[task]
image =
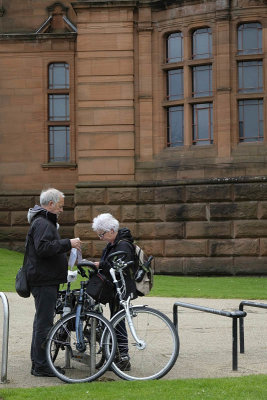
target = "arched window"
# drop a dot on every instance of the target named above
(58, 112)
(174, 47)
(202, 43)
(249, 38)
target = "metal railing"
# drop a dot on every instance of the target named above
(231, 314)
(5, 338)
(241, 321)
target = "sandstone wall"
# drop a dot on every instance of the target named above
(208, 227)
(13, 218)
(216, 226)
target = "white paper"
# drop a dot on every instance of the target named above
(75, 257)
(72, 276)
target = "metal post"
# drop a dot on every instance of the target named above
(234, 344)
(241, 322)
(5, 338)
(241, 331)
(93, 346)
(231, 314)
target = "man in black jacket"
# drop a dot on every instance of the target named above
(47, 267)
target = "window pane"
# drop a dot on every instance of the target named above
(176, 126)
(250, 76)
(59, 143)
(175, 47)
(175, 84)
(202, 124)
(58, 76)
(249, 38)
(202, 81)
(59, 107)
(202, 43)
(250, 120)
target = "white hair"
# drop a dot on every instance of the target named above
(51, 194)
(105, 222)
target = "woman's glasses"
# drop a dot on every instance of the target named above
(101, 235)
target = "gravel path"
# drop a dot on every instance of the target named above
(205, 341)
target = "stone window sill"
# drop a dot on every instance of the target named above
(59, 165)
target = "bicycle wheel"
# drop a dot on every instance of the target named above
(77, 366)
(159, 350)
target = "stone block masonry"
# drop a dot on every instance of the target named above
(192, 227)
(13, 218)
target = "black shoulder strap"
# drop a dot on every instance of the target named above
(27, 239)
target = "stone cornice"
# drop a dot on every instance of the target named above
(182, 182)
(128, 3)
(38, 36)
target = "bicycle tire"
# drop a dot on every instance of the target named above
(161, 344)
(86, 366)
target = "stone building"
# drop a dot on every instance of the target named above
(151, 110)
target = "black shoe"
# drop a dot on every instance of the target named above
(123, 363)
(45, 371)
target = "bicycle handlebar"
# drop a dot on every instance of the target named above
(92, 268)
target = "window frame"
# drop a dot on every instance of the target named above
(210, 138)
(251, 139)
(210, 44)
(247, 94)
(60, 123)
(241, 51)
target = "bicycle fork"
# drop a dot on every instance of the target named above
(140, 344)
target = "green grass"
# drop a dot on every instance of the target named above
(244, 388)
(164, 286)
(239, 388)
(211, 287)
(10, 262)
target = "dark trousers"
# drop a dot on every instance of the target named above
(45, 302)
(121, 332)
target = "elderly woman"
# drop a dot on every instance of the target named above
(107, 229)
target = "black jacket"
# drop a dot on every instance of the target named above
(123, 242)
(47, 262)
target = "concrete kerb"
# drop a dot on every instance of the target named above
(205, 341)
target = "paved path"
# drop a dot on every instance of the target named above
(205, 341)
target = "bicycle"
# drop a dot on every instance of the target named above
(82, 344)
(146, 329)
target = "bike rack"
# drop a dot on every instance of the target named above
(231, 314)
(5, 338)
(241, 322)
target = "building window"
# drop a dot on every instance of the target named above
(58, 112)
(202, 124)
(250, 76)
(174, 47)
(59, 143)
(199, 85)
(59, 107)
(59, 76)
(249, 38)
(202, 81)
(175, 82)
(175, 126)
(202, 43)
(250, 120)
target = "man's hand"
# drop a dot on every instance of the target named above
(76, 243)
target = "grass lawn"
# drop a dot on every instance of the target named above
(240, 388)
(244, 388)
(164, 286)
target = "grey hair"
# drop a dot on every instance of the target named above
(105, 222)
(51, 194)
